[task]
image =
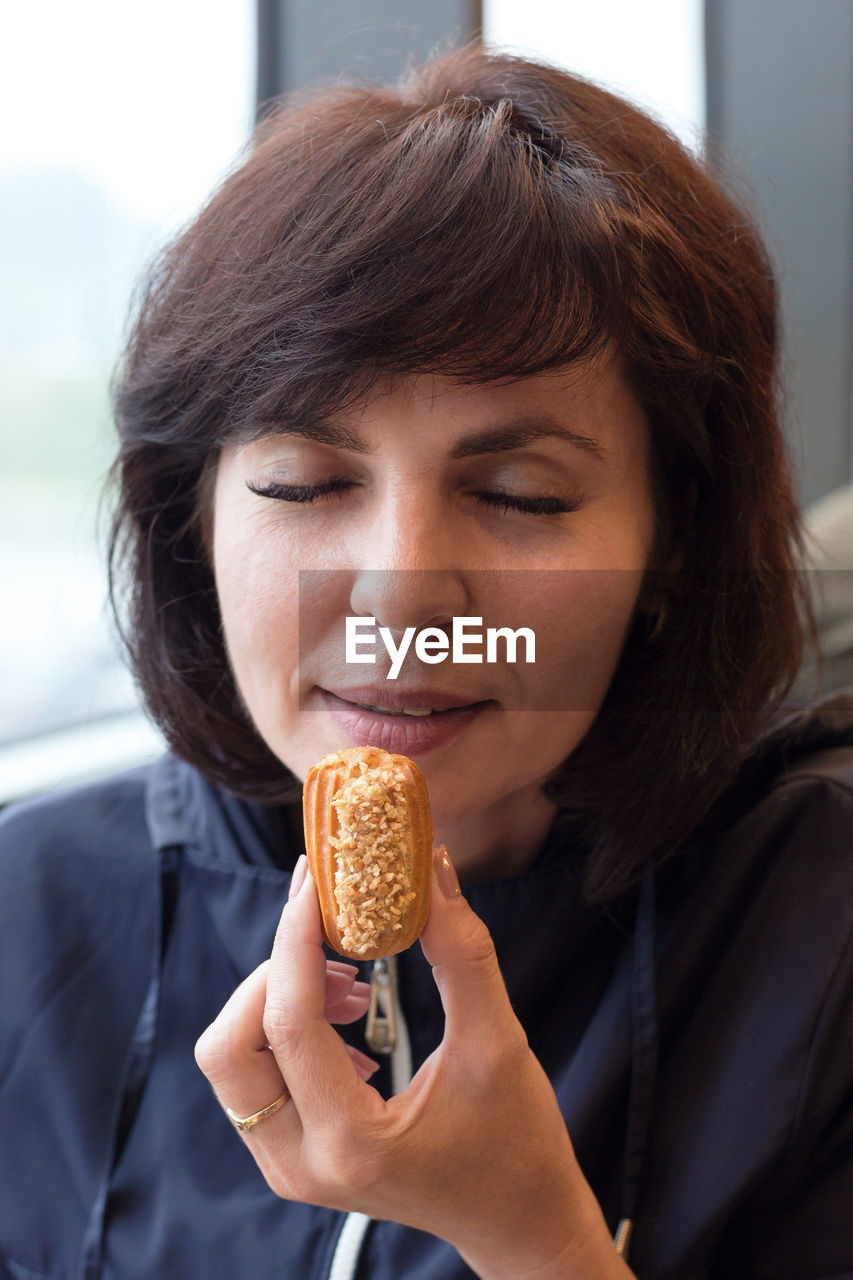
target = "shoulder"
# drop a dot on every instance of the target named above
(760, 909)
(807, 810)
(793, 981)
(778, 851)
(103, 800)
(794, 793)
(784, 867)
(80, 825)
(79, 931)
(77, 873)
(755, 990)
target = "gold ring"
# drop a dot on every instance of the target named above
(245, 1123)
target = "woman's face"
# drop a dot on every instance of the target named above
(521, 504)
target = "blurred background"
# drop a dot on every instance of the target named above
(121, 118)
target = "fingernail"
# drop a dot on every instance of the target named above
(448, 881)
(364, 1066)
(298, 877)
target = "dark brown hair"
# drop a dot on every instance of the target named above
(489, 218)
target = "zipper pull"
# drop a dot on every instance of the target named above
(381, 1030)
(623, 1238)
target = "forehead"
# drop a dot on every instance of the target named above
(589, 407)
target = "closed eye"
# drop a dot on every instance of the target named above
(495, 499)
(301, 492)
(532, 506)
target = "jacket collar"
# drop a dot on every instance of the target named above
(184, 809)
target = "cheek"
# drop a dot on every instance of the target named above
(582, 618)
(257, 591)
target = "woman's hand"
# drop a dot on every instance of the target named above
(474, 1151)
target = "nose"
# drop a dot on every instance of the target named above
(411, 575)
(400, 598)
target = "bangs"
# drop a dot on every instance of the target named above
(461, 240)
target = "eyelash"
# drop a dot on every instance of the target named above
(300, 492)
(544, 506)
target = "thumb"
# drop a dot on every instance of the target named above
(459, 947)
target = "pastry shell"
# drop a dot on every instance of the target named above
(368, 836)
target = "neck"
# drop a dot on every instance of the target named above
(502, 842)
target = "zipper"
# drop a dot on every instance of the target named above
(386, 1033)
(381, 1030)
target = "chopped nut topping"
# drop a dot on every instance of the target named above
(372, 884)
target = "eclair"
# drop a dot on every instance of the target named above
(368, 836)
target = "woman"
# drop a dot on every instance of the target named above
(490, 346)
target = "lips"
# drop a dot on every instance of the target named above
(409, 722)
(401, 698)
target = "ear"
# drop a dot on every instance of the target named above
(658, 589)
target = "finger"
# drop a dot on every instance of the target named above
(311, 1055)
(364, 1066)
(346, 999)
(233, 1052)
(339, 981)
(298, 948)
(340, 974)
(351, 1008)
(459, 947)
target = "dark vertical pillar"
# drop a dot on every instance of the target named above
(301, 41)
(780, 103)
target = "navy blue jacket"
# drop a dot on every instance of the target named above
(703, 1056)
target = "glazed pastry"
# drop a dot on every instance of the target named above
(368, 835)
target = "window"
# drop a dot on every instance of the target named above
(651, 52)
(120, 119)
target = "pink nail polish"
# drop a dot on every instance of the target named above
(298, 877)
(445, 873)
(364, 1066)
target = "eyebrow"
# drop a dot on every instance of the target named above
(515, 435)
(329, 433)
(498, 439)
